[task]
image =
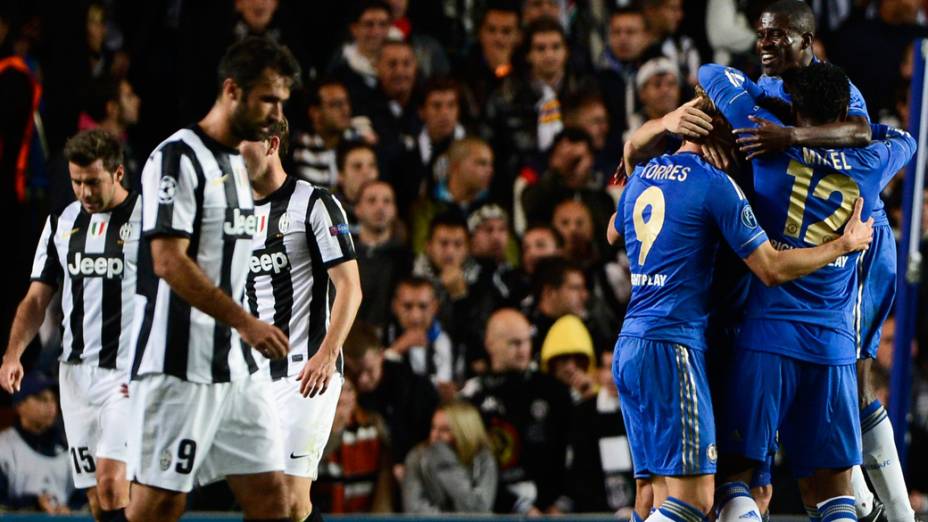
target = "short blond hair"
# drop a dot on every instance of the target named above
(463, 147)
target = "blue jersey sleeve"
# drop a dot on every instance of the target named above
(897, 147)
(730, 210)
(857, 105)
(734, 94)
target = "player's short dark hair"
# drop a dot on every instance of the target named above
(573, 135)
(439, 84)
(100, 91)
(447, 219)
(362, 338)
(504, 6)
(88, 146)
(415, 282)
(245, 61)
(633, 9)
(281, 129)
(558, 238)
(345, 148)
(551, 272)
(820, 91)
(545, 24)
(800, 15)
(367, 5)
(314, 99)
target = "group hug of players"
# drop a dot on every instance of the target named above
(785, 351)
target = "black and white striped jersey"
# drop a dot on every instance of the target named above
(196, 188)
(301, 232)
(312, 161)
(92, 257)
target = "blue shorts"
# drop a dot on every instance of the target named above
(813, 406)
(878, 277)
(666, 407)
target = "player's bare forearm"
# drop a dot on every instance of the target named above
(347, 283)
(186, 279)
(855, 132)
(612, 235)
(795, 263)
(29, 316)
(644, 143)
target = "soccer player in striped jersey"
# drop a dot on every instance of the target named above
(673, 214)
(198, 415)
(88, 250)
(301, 248)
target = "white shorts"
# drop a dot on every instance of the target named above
(186, 433)
(305, 424)
(94, 412)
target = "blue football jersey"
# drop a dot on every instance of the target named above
(672, 214)
(803, 197)
(857, 106)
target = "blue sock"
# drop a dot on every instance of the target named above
(680, 511)
(635, 517)
(814, 515)
(838, 508)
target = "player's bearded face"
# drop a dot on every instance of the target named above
(260, 107)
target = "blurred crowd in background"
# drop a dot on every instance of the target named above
(473, 145)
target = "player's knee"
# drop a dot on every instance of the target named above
(267, 498)
(156, 508)
(300, 508)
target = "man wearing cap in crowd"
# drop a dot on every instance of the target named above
(34, 461)
(658, 86)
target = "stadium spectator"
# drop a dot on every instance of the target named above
(600, 473)
(559, 289)
(383, 256)
(35, 469)
(430, 55)
(527, 413)
(619, 63)
(567, 355)
(538, 242)
(357, 165)
(405, 400)
(440, 113)
(663, 19)
(658, 84)
(355, 474)
(489, 61)
(588, 112)
(313, 154)
(470, 172)
(730, 31)
(569, 176)
(454, 471)
(255, 17)
(447, 263)
(416, 338)
(355, 64)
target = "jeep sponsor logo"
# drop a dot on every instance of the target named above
(240, 224)
(269, 262)
(95, 265)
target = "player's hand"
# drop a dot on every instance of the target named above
(317, 372)
(11, 375)
(857, 234)
(767, 137)
(688, 121)
(718, 154)
(264, 337)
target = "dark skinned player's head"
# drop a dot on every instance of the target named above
(820, 93)
(785, 32)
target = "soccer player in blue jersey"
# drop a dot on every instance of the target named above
(673, 215)
(784, 41)
(794, 367)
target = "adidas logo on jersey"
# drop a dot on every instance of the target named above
(95, 266)
(240, 224)
(268, 262)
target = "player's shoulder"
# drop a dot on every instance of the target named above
(68, 212)
(182, 138)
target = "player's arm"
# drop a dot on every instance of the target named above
(347, 282)
(47, 275)
(895, 148)
(29, 316)
(612, 231)
(171, 263)
(774, 267)
(327, 229)
(769, 137)
(649, 140)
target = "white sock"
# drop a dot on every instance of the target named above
(862, 495)
(657, 516)
(881, 462)
(736, 504)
